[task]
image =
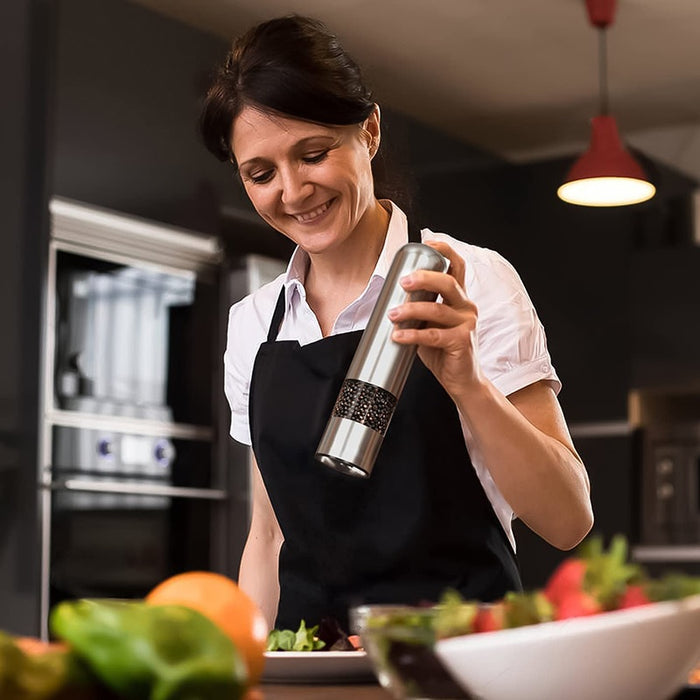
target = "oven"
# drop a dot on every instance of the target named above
(671, 485)
(670, 498)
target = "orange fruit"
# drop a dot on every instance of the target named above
(222, 601)
(254, 694)
(33, 646)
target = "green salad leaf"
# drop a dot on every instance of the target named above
(304, 639)
(673, 585)
(454, 616)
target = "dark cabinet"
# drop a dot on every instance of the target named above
(664, 311)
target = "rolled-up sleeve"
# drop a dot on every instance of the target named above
(511, 341)
(237, 372)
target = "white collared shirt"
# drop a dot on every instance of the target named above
(511, 343)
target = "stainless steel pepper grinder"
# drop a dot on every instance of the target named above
(378, 372)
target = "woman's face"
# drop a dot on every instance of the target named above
(311, 182)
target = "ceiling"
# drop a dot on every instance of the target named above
(517, 78)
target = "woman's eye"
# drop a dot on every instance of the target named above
(315, 157)
(259, 178)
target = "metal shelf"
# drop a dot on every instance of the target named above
(87, 485)
(666, 553)
(602, 429)
(124, 424)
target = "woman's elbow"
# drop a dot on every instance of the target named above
(575, 531)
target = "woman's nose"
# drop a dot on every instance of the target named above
(295, 188)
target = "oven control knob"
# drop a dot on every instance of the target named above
(665, 491)
(164, 452)
(664, 466)
(105, 448)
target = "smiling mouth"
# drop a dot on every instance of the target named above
(308, 216)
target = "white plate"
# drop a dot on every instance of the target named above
(644, 653)
(316, 667)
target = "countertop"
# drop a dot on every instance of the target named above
(370, 691)
(353, 691)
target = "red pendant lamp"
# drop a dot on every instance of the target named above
(606, 175)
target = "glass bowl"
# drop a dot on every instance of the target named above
(399, 641)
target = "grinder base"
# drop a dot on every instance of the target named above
(349, 447)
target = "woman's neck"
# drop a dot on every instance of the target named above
(335, 278)
(352, 263)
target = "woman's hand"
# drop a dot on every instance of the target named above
(537, 468)
(447, 342)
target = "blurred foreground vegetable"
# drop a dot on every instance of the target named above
(597, 579)
(54, 673)
(592, 581)
(145, 652)
(221, 600)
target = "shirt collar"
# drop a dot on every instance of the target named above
(396, 236)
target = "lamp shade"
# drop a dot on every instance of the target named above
(606, 175)
(601, 13)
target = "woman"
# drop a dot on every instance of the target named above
(478, 436)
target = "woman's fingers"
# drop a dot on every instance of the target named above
(457, 268)
(445, 338)
(433, 325)
(454, 334)
(445, 285)
(428, 312)
(447, 325)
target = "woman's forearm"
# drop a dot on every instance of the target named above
(258, 573)
(524, 442)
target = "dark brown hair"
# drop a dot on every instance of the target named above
(294, 66)
(291, 65)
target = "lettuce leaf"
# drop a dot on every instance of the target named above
(304, 639)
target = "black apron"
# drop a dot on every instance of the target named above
(420, 524)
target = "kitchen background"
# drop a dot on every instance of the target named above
(99, 106)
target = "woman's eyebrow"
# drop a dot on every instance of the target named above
(317, 137)
(253, 161)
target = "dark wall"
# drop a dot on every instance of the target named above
(665, 310)
(128, 89)
(576, 263)
(129, 84)
(24, 47)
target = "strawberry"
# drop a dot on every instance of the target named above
(633, 596)
(567, 577)
(576, 604)
(490, 618)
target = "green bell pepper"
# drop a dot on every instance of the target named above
(152, 652)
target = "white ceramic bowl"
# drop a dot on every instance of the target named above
(645, 653)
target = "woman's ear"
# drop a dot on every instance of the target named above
(372, 126)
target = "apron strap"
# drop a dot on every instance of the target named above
(278, 315)
(414, 234)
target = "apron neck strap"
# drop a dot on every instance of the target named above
(277, 316)
(414, 233)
